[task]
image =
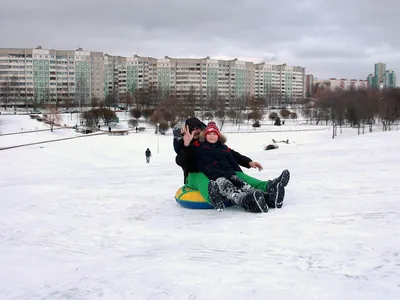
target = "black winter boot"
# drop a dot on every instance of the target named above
(254, 202)
(216, 199)
(276, 190)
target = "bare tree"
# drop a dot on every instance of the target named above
(111, 100)
(5, 93)
(154, 96)
(191, 99)
(208, 115)
(221, 111)
(135, 113)
(212, 100)
(93, 116)
(255, 115)
(128, 101)
(53, 116)
(133, 122)
(139, 98)
(371, 107)
(338, 111)
(232, 114)
(94, 102)
(81, 91)
(88, 117)
(284, 113)
(239, 104)
(388, 109)
(107, 115)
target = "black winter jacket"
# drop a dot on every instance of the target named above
(214, 160)
(187, 160)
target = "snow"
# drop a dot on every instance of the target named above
(89, 219)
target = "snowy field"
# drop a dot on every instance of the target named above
(89, 219)
(24, 125)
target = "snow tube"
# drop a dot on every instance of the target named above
(191, 198)
(271, 147)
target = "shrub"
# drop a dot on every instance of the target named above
(284, 113)
(272, 116)
(133, 122)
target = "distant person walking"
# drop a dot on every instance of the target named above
(148, 155)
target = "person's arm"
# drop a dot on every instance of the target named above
(178, 138)
(242, 160)
(178, 145)
(185, 155)
(245, 161)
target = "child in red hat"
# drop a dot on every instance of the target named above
(214, 159)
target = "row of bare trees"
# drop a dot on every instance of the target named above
(167, 109)
(92, 117)
(356, 108)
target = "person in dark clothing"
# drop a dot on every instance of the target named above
(273, 192)
(196, 126)
(214, 159)
(148, 155)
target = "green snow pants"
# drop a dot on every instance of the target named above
(199, 181)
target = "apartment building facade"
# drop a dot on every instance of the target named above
(309, 85)
(37, 75)
(334, 84)
(381, 78)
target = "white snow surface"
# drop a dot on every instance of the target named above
(89, 219)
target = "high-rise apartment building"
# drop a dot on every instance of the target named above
(37, 75)
(382, 78)
(389, 79)
(380, 69)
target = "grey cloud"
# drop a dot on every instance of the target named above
(323, 36)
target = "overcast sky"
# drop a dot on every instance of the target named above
(330, 38)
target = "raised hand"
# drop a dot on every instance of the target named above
(187, 136)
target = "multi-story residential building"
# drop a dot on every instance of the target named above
(334, 84)
(309, 85)
(382, 78)
(279, 83)
(389, 79)
(41, 75)
(37, 75)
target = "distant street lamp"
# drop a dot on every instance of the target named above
(158, 137)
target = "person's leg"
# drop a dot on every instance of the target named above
(242, 194)
(274, 189)
(200, 182)
(255, 201)
(229, 191)
(254, 182)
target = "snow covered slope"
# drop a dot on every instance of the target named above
(88, 219)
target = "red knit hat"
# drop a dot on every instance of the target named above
(212, 127)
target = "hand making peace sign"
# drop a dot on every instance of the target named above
(187, 136)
